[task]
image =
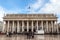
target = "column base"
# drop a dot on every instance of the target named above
(18, 32)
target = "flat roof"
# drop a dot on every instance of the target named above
(30, 16)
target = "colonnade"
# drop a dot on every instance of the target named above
(7, 27)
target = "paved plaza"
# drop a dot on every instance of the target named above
(36, 37)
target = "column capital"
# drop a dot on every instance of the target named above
(4, 22)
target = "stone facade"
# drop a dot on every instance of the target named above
(1, 25)
(29, 22)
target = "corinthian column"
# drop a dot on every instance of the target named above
(22, 26)
(27, 26)
(42, 24)
(4, 27)
(18, 28)
(47, 25)
(37, 25)
(57, 27)
(13, 29)
(8, 27)
(32, 26)
(52, 26)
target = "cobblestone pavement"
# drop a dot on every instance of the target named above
(36, 37)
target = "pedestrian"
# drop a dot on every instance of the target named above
(7, 33)
(32, 34)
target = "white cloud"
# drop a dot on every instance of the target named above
(5, 11)
(51, 7)
(37, 4)
(55, 1)
(34, 6)
(2, 11)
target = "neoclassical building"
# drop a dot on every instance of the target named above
(29, 22)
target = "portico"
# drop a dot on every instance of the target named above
(20, 23)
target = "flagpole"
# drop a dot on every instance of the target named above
(28, 9)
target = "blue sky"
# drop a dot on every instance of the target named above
(13, 4)
(20, 5)
(36, 6)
